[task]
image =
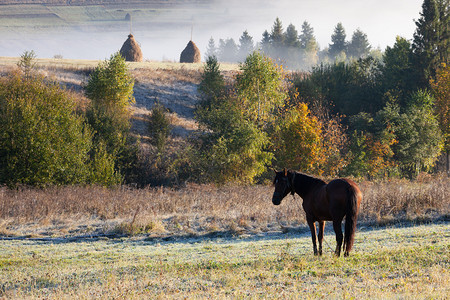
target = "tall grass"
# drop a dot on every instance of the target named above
(202, 209)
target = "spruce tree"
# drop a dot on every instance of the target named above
(228, 50)
(359, 45)
(246, 45)
(277, 35)
(291, 37)
(211, 50)
(307, 36)
(338, 44)
(431, 39)
(265, 42)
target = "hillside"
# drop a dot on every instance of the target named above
(172, 84)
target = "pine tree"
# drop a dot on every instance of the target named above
(291, 37)
(265, 42)
(277, 35)
(338, 44)
(246, 45)
(309, 46)
(211, 50)
(307, 36)
(359, 45)
(228, 50)
(397, 70)
(431, 39)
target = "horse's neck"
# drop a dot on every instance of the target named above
(305, 184)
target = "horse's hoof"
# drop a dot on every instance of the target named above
(346, 254)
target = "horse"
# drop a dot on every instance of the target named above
(323, 202)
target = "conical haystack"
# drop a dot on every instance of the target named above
(190, 54)
(131, 50)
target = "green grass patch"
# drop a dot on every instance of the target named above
(410, 262)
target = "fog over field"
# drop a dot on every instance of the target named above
(163, 32)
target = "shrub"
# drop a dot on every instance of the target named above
(159, 127)
(42, 140)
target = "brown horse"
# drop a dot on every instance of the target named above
(323, 202)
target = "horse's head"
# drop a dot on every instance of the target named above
(283, 186)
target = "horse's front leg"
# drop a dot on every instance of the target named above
(321, 229)
(312, 227)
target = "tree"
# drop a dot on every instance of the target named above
(231, 147)
(212, 90)
(346, 88)
(309, 46)
(228, 50)
(159, 127)
(27, 62)
(431, 39)
(359, 45)
(277, 34)
(307, 37)
(110, 88)
(291, 37)
(441, 91)
(42, 140)
(338, 44)
(266, 42)
(260, 89)
(398, 75)
(297, 140)
(246, 45)
(416, 131)
(211, 50)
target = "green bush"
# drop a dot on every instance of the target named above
(42, 140)
(159, 127)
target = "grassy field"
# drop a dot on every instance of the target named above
(83, 64)
(391, 262)
(205, 241)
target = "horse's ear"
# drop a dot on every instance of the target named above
(285, 172)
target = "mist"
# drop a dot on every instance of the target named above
(164, 36)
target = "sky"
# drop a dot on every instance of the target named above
(381, 20)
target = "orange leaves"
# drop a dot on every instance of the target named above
(298, 140)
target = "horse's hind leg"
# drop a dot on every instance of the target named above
(339, 236)
(312, 227)
(321, 229)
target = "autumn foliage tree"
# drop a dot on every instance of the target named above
(441, 92)
(297, 140)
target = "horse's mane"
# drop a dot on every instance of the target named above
(306, 183)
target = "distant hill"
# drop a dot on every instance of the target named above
(101, 2)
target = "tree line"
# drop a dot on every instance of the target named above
(296, 50)
(366, 118)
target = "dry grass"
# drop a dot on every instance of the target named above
(200, 209)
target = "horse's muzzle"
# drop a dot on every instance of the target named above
(276, 198)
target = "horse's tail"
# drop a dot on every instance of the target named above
(351, 216)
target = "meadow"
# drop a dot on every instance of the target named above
(207, 241)
(409, 262)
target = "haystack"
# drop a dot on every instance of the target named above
(190, 54)
(131, 50)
